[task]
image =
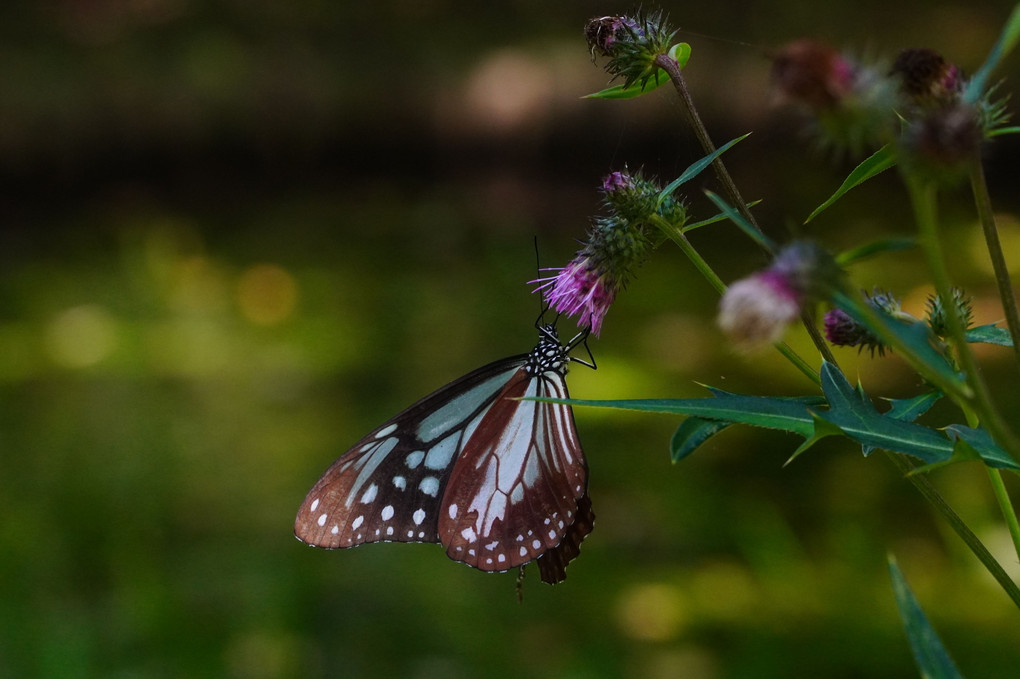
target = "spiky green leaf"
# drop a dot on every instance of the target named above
(691, 433)
(990, 334)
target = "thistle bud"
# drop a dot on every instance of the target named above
(842, 330)
(631, 43)
(936, 311)
(941, 144)
(926, 78)
(813, 74)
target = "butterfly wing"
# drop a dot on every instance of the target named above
(514, 495)
(389, 485)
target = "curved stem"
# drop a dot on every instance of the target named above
(983, 203)
(1005, 506)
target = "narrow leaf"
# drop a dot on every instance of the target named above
(1007, 41)
(711, 220)
(874, 248)
(735, 217)
(990, 334)
(691, 433)
(760, 411)
(697, 167)
(878, 162)
(1000, 131)
(930, 655)
(635, 89)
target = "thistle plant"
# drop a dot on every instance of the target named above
(917, 113)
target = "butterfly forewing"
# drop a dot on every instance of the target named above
(388, 486)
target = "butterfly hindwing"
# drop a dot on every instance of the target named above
(514, 494)
(388, 486)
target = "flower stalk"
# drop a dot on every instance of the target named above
(983, 203)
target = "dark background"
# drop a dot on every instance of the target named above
(236, 235)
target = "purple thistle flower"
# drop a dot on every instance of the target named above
(582, 289)
(755, 311)
(615, 182)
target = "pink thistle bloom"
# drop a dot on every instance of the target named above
(582, 289)
(755, 311)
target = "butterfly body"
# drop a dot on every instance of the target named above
(497, 480)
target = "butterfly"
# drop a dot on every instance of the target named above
(498, 481)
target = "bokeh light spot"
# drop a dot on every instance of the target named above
(81, 336)
(651, 611)
(266, 294)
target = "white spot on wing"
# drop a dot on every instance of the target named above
(386, 431)
(441, 454)
(400, 482)
(418, 517)
(369, 494)
(429, 485)
(387, 512)
(315, 505)
(414, 459)
(453, 510)
(356, 524)
(322, 520)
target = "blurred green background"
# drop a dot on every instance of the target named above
(236, 235)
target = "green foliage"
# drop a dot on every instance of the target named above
(843, 411)
(875, 248)
(929, 653)
(696, 168)
(878, 162)
(681, 52)
(1005, 44)
(990, 334)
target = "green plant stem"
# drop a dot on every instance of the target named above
(672, 67)
(923, 196)
(1006, 506)
(983, 203)
(925, 487)
(705, 269)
